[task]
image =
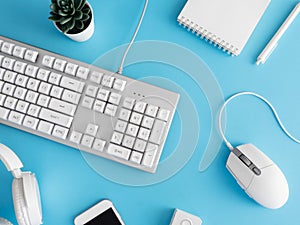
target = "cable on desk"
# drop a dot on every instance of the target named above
(264, 100)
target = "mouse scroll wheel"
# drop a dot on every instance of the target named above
(245, 160)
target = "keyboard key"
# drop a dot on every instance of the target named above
(114, 98)
(8, 89)
(140, 107)
(144, 134)
(20, 93)
(55, 117)
(149, 155)
(1, 84)
(71, 69)
(2, 99)
(8, 63)
(121, 126)
(30, 122)
(32, 97)
(62, 107)
(96, 77)
(119, 85)
(4, 113)
(87, 141)
(10, 76)
(75, 137)
(59, 65)
(10, 103)
(31, 70)
(151, 110)
(45, 127)
(157, 131)
(99, 145)
(43, 101)
(45, 88)
(33, 84)
(43, 74)
(16, 117)
(2, 71)
(87, 102)
(163, 114)
(72, 84)
(147, 122)
(48, 61)
(7, 48)
(103, 94)
(21, 80)
(92, 129)
(91, 91)
(82, 72)
(34, 110)
(1, 59)
(22, 106)
(136, 157)
(110, 110)
(107, 81)
(31, 55)
(54, 78)
(19, 67)
(19, 52)
(56, 92)
(117, 138)
(132, 129)
(71, 97)
(118, 151)
(140, 145)
(60, 132)
(136, 118)
(128, 103)
(128, 141)
(124, 114)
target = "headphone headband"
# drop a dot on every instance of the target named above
(10, 159)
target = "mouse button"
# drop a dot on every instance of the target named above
(258, 158)
(239, 170)
(270, 189)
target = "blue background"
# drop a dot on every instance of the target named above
(69, 186)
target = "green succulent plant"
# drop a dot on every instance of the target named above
(71, 16)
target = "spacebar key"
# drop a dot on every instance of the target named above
(55, 117)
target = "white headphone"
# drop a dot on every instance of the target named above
(25, 190)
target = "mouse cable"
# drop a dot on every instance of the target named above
(120, 70)
(261, 98)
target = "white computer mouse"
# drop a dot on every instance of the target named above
(259, 176)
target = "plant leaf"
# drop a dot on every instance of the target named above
(85, 17)
(86, 10)
(78, 15)
(64, 20)
(54, 7)
(61, 13)
(71, 24)
(54, 18)
(79, 25)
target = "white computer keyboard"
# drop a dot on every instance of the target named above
(83, 106)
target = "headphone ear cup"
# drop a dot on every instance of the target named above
(19, 202)
(5, 222)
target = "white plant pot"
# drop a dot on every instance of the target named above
(85, 34)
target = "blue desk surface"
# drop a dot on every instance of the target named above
(69, 186)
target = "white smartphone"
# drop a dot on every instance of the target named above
(103, 213)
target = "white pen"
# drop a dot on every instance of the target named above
(264, 55)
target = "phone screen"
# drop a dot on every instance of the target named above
(108, 217)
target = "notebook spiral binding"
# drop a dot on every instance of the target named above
(208, 36)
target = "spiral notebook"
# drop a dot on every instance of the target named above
(226, 23)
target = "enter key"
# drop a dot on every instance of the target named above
(157, 131)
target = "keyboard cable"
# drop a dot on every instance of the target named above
(120, 70)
